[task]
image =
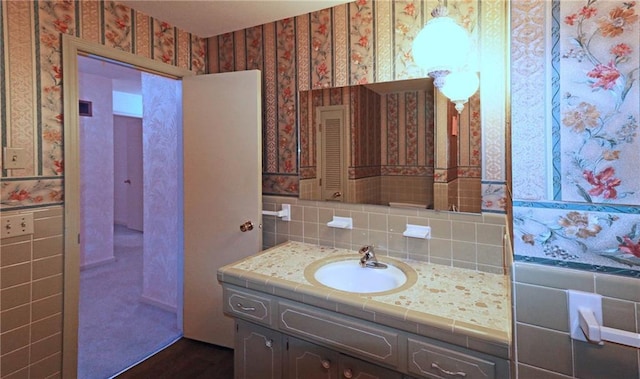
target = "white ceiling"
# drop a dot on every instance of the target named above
(207, 18)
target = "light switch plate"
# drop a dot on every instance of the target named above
(14, 158)
(16, 225)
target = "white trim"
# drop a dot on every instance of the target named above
(71, 48)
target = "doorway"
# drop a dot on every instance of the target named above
(72, 48)
(126, 312)
(231, 102)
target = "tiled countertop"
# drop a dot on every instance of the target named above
(460, 306)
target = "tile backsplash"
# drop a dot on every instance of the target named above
(473, 241)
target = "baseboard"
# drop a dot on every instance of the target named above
(158, 304)
(97, 263)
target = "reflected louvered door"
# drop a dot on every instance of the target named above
(331, 157)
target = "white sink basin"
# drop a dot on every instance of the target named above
(348, 275)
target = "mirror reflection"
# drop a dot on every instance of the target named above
(370, 144)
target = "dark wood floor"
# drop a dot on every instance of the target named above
(185, 359)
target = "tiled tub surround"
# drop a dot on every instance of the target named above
(465, 240)
(544, 348)
(463, 307)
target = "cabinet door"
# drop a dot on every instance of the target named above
(258, 352)
(352, 368)
(309, 361)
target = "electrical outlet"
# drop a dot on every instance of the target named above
(16, 225)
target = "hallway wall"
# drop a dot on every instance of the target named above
(96, 164)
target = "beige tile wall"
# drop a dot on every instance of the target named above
(469, 195)
(473, 241)
(309, 189)
(544, 348)
(31, 299)
(365, 190)
(407, 189)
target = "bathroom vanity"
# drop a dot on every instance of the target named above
(443, 322)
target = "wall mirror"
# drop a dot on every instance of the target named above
(398, 144)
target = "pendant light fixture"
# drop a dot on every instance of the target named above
(442, 49)
(460, 86)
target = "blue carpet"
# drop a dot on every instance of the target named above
(116, 330)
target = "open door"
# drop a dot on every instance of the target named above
(222, 190)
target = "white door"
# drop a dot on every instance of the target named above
(135, 190)
(222, 190)
(331, 153)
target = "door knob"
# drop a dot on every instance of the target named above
(128, 181)
(246, 226)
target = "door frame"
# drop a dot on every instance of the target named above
(71, 48)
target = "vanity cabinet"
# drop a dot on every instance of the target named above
(281, 338)
(257, 352)
(306, 360)
(428, 359)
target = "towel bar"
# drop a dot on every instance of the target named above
(284, 213)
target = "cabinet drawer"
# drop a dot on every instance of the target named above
(248, 305)
(356, 368)
(437, 362)
(343, 333)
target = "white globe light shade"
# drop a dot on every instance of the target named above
(442, 45)
(460, 86)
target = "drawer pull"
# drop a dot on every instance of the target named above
(348, 373)
(269, 343)
(246, 309)
(326, 363)
(452, 373)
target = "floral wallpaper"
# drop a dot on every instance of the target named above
(31, 108)
(590, 218)
(361, 42)
(376, 121)
(599, 112)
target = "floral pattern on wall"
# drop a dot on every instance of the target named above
(361, 37)
(592, 219)
(164, 41)
(607, 241)
(29, 193)
(287, 135)
(322, 49)
(118, 26)
(254, 48)
(111, 24)
(599, 108)
(56, 18)
(409, 20)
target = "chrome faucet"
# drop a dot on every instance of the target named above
(368, 258)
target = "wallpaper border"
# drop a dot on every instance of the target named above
(556, 148)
